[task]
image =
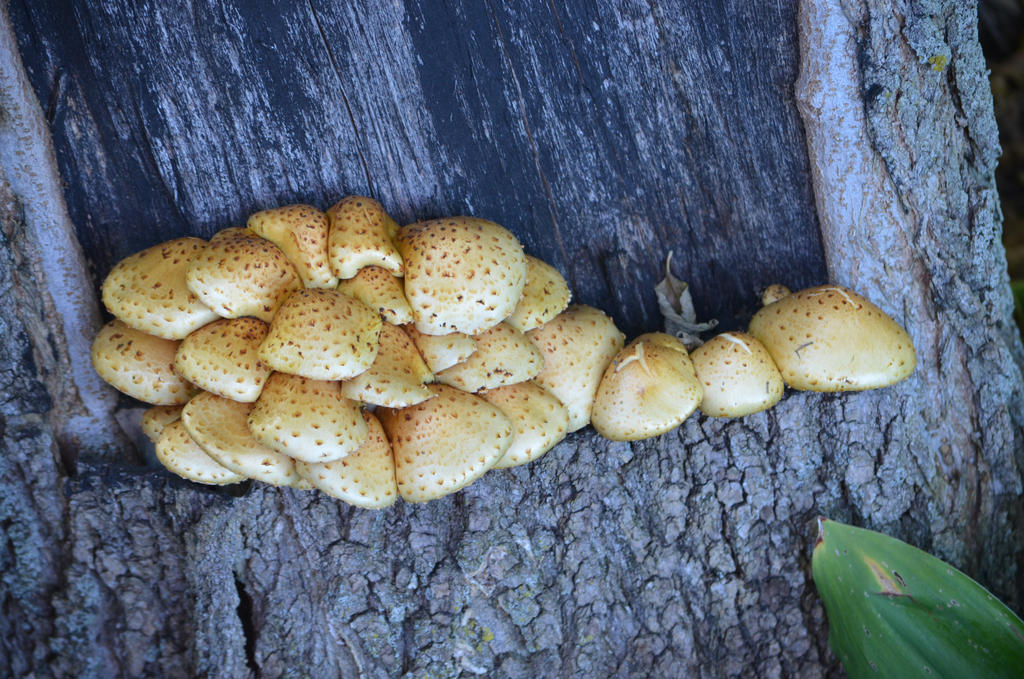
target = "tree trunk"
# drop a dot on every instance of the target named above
(603, 136)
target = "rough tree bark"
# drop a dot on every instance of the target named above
(603, 136)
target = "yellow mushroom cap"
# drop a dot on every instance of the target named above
(647, 390)
(364, 478)
(222, 358)
(738, 375)
(301, 233)
(148, 291)
(577, 345)
(545, 295)
(503, 356)
(182, 456)
(241, 274)
(396, 377)
(306, 419)
(362, 234)
(375, 287)
(829, 338)
(538, 418)
(323, 335)
(156, 418)
(139, 364)
(461, 274)
(220, 427)
(444, 443)
(441, 351)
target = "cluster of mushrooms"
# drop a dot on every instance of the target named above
(340, 352)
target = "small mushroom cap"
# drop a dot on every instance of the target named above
(365, 478)
(323, 335)
(829, 338)
(182, 456)
(156, 418)
(139, 365)
(396, 378)
(461, 274)
(220, 427)
(738, 375)
(503, 356)
(301, 233)
(444, 443)
(577, 345)
(306, 419)
(538, 418)
(362, 234)
(222, 358)
(647, 390)
(375, 287)
(773, 293)
(545, 295)
(241, 274)
(148, 290)
(441, 351)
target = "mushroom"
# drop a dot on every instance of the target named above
(461, 274)
(148, 291)
(301, 232)
(649, 388)
(738, 375)
(441, 351)
(375, 287)
(364, 478)
(222, 358)
(444, 443)
(773, 293)
(829, 338)
(156, 418)
(538, 418)
(503, 356)
(309, 420)
(362, 234)
(139, 364)
(396, 377)
(241, 274)
(323, 335)
(576, 345)
(181, 455)
(220, 427)
(545, 295)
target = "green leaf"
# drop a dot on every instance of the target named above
(895, 611)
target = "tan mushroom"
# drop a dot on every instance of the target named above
(538, 418)
(576, 345)
(829, 338)
(378, 289)
(441, 351)
(444, 443)
(182, 456)
(397, 377)
(362, 234)
(222, 358)
(301, 232)
(545, 295)
(139, 364)
(148, 290)
(738, 375)
(156, 418)
(773, 293)
(503, 356)
(461, 274)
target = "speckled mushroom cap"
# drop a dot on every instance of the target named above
(375, 287)
(538, 418)
(444, 443)
(461, 274)
(148, 292)
(222, 358)
(323, 335)
(397, 377)
(738, 375)
(241, 274)
(576, 345)
(306, 419)
(301, 233)
(545, 295)
(139, 365)
(364, 478)
(829, 338)
(220, 427)
(362, 234)
(182, 456)
(441, 351)
(503, 356)
(649, 388)
(156, 418)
